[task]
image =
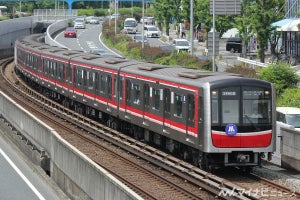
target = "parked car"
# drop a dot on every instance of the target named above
(234, 44)
(152, 31)
(181, 45)
(70, 32)
(88, 19)
(167, 47)
(139, 38)
(289, 115)
(79, 23)
(115, 15)
(94, 20)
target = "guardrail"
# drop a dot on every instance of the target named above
(252, 62)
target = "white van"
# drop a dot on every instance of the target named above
(289, 115)
(130, 25)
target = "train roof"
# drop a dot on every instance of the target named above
(179, 74)
(163, 72)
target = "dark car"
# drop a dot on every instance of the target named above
(101, 52)
(70, 32)
(139, 38)
(234, 44)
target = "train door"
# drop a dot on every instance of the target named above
(166, 109)
(190, 118)
(146, 102)
(128, 86)
(68, 74)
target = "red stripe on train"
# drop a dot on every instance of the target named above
(241, 141)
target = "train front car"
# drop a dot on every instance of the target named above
(241, 122)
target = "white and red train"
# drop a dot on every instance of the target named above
(211, 119)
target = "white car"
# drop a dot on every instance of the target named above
(152, 31)
(94, 20)
(289, 115)
(79, 23)
(181, 45)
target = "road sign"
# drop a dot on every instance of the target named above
(224, 7)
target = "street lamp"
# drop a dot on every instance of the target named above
(116, 15)
(131, 8)
(143, 17)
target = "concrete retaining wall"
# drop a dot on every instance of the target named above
(290, 148)
(53, 29)
(77, 175)
(12, 29)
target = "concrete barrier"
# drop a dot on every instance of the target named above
(290, 148)
(53, 29)
(12, 29)
(77, 175)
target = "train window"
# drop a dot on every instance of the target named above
(167, 101)
(156, 98)
(191, 110)
(230, 99)
(178, 105)
(54, 70)
(35, 62)
(109, 87)
(146, 95)
(60, 71)
(97, 86)
(121, 87)
(136, 94)
(102, 84)
(256, 105)
(51, 68)
(78, 76)
(85, 78)
(118, 83)
(68, 73)
(91, 80)
(128, 90)
(215, 106)
(46, 66)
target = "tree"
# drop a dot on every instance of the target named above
(281, 75)
(165, 9)
(262, 13)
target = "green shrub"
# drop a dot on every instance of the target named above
(242, 70)
(283, 76)
(124, 44)
(290, 97)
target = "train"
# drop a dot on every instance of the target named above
(211, 119)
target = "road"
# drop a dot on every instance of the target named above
(19, 178)
(89, 38)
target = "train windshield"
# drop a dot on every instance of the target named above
(247, 106)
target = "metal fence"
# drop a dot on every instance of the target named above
(52, 15)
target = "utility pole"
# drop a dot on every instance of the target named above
(192, 26)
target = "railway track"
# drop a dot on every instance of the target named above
(167, 177)
(260, 187)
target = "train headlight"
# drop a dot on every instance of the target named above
(267, 92)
